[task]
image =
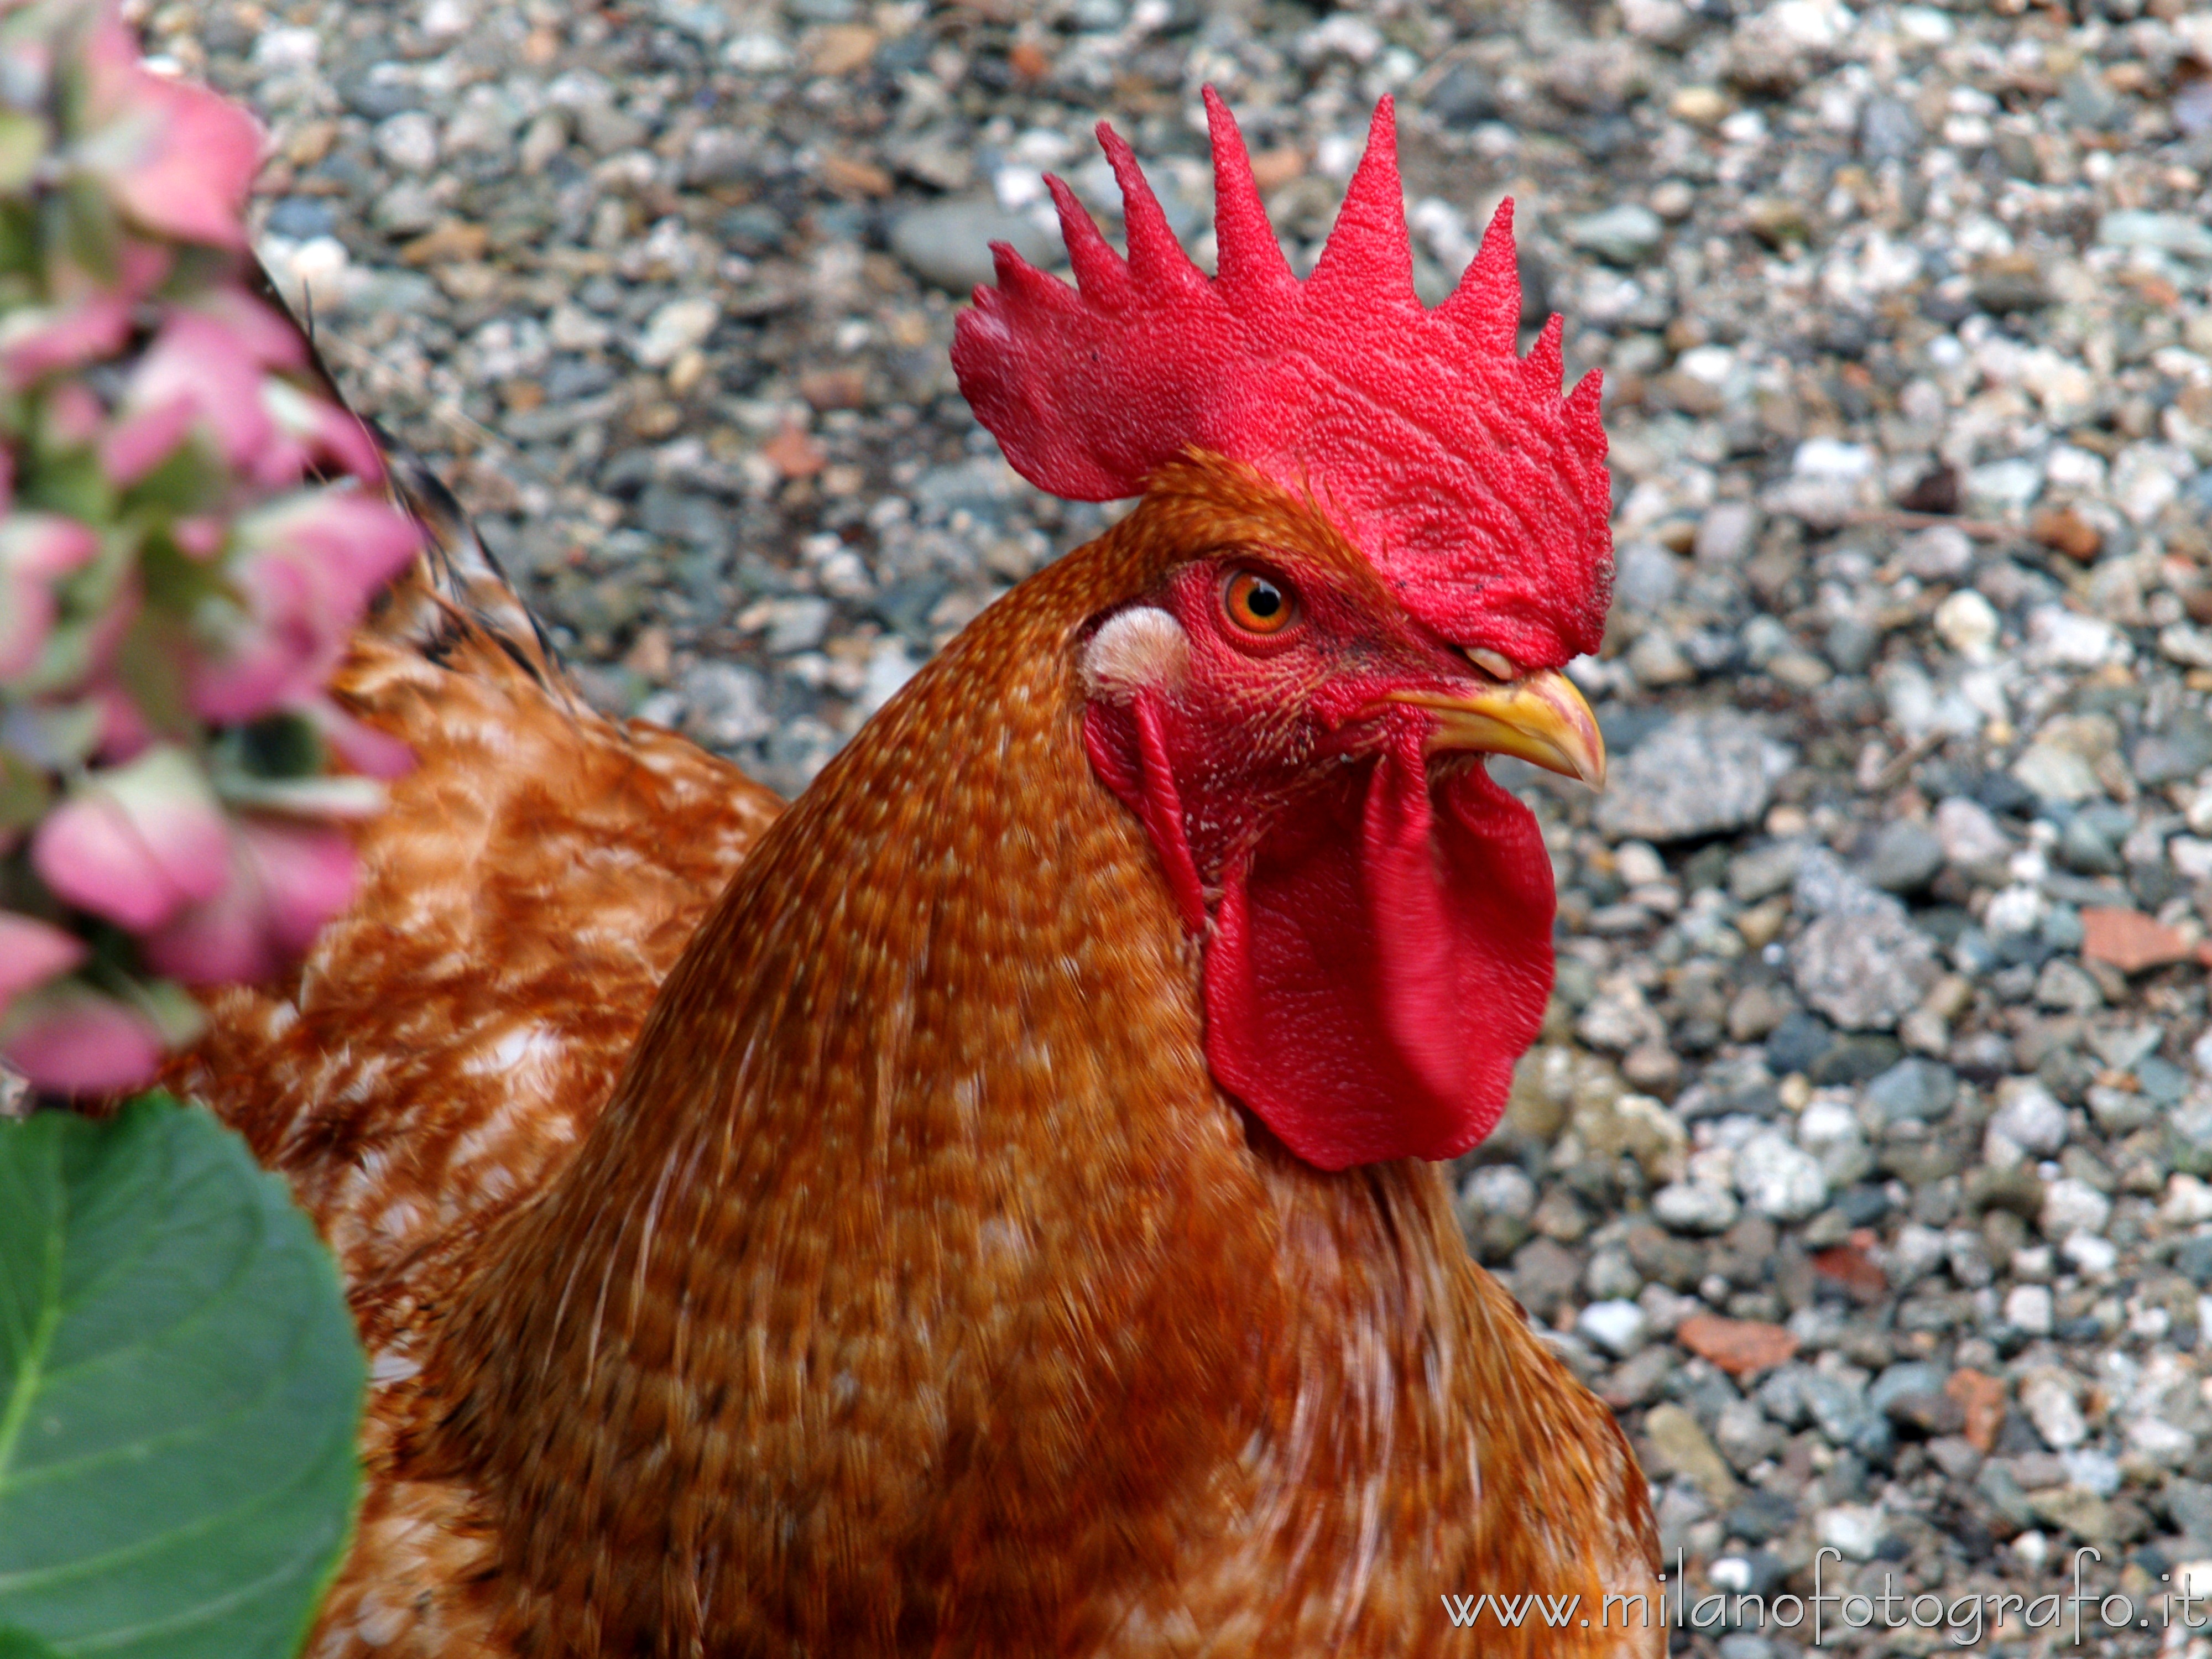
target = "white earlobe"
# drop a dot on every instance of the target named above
(1139, 649)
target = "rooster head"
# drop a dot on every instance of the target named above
(1393, 532)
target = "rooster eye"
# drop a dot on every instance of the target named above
(1258, 604)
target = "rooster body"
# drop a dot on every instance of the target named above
(832, 1232)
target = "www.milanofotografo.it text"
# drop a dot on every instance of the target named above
(2080, 1613)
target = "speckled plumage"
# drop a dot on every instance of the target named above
(918, 1291)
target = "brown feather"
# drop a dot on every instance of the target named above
(918, 1291)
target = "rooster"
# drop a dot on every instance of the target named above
(991, 1206)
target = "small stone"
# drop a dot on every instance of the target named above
(948, 242)
(2047, 1397)
(1855, 1529)
(1982, 1399)
(1678, 1443)
(794, 454)
(2053, 774)
(2092, 1257)
(1657, 662)
(408, 141)
(1725, 533)
(1907, 854)
(2066, 530)
(1865, 972)
(1700, 106)
(1619, 1327)
(1636, 1380)
(2075, 1509)
(1968, 624)
(2130, 940)
(2178, 750)
(2180, 234)
(676, 327)
(1942, 554)
(1693, 1207)
(2064, 985)
(1778, 1179)
(1888, 130)
(1919, 1091)
(1745, 1436)
(1741, 1348)
(1764, 870)
(1854, 1271)
(1699, 774)
(2072, 1206)
(2027, 1307)
(1755, 1011)
(1561, 1217)
(1969, 833)
(1499, 1189)
(2187, 1202)
(728, 704)
(1626, 234)
(2028, 1118)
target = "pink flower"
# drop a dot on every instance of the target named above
(197, 368)
(311, 564)
(40, 340)
(333, 434)
(179, 159)
(286, 880)
(372, 753)
(69, 1038)
(75, 414)
(89, 315)
(37, 550)
(31, 953)
(138, 843)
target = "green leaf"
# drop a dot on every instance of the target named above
(20, 1645)
(179, 1389)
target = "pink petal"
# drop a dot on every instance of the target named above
(138, 443)
(286, 881)
(37, 344)
(306, 874)
(36, 549)
(75, 414)
(26, 619)
(123, 733)
(222, 941)
(361, 542)
(137, 844)
(312, 566)
(204, 361)
(71, 1039)
(372, 753)
(272, 337)
(32, 952)
(195, 155)
(202, 537)
(340, 435)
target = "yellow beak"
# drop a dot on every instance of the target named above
(1540, 718)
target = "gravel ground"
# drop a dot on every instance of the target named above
(1860, 1164)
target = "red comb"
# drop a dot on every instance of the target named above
(1480, 493)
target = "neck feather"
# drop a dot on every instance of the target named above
(916, 1190)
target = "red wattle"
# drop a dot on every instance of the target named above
(1377, 969)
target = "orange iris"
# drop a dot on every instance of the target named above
(1258, 604)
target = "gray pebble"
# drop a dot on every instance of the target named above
(1698, 774)
(1625, 234)
(1864, 971)
(948, 243)
(1906, 856)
